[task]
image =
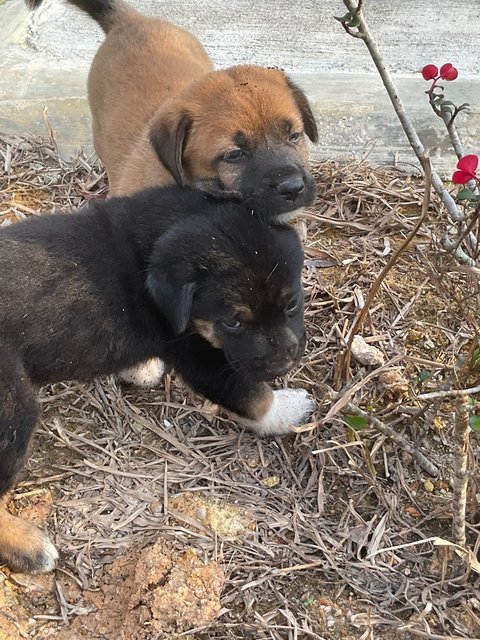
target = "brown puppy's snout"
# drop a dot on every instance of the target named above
(288, 181)
(291, 187)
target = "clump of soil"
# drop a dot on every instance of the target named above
(155, 594)
(226, 520)
(172, 593)
(14, 619)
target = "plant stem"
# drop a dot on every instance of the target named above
(460, 479)
(398, 439)
(407, 124)
(454, 137)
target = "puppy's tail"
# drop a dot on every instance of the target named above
(106, 12)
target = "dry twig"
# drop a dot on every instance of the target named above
(461, 438)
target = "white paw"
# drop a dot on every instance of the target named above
(33, 551)
(48, 557)
(290, 408)
(147, 374)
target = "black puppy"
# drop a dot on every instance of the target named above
(204, 285)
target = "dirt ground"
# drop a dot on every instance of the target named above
(172, 522)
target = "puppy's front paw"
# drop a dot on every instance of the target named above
(26, 548)
(146, 375)
(290, 408)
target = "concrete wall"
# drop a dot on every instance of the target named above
(45, 57)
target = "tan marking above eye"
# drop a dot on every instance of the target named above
(207, 330)
(244, 312)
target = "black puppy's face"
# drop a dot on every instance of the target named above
(257, 323)
(239, 287)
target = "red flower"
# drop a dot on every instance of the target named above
(430, 72)
(467, 167)
(448, 72)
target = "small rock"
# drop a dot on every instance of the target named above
(365, 353)
(429, 486)
(271, 481)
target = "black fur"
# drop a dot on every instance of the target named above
(100, 10)
(128, 279)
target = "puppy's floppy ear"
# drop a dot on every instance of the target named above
(305, 109)
(168, 136)
(172, 295)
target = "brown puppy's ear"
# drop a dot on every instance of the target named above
(168, 138)
(304, 107)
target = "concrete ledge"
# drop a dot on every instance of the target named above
(45, 57)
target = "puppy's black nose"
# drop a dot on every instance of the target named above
(291, 187)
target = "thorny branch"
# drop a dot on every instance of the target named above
(462, 427)
(409, 129)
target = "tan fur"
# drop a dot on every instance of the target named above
(244, 311)
(260, 403)
(207, 330)
(19, 538)
(147, 74)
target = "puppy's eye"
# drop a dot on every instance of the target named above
(292, 304)
(232, 324)
(234, 155)
(294, 137)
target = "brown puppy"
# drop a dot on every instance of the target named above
(161, 114)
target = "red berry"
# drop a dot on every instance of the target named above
(448, 72)
(429, 72)
(467, 167)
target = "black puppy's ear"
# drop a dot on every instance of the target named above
(168, 136)
(173, 297)
(305, 109)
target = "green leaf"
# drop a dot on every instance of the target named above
(354, 22)
(438, 99)
(356, 422)
(446, 107)
(474, 422)
(448, 102)
(425, 375)
(466, 194)
(475, 358)
(345, 18)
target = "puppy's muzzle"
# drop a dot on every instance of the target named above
(291, 188)
(288, 181)
(285, 358)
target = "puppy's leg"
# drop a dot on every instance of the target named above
(23, 546)
(147, 374)
(253, 404)
(279, 411)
